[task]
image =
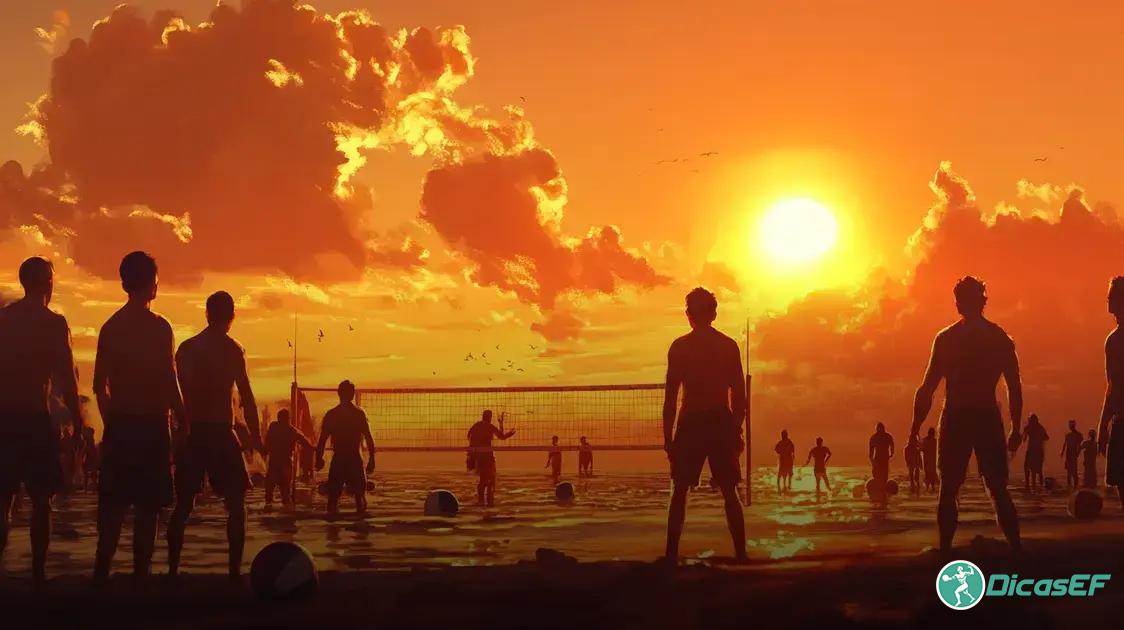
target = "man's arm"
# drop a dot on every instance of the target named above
(325, 431)
(809, 458)
(249, 405)
(64, 380)
(1107, 408)
(870, 449)
(737, 386)
(171, 381)
(370, 440)
(101, 380)
(923, 400)
(891, 446)
(827, 457)
(1014, 395)
(672, 383)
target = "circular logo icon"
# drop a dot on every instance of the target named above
(960, 585)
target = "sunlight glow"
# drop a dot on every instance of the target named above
(797, 231)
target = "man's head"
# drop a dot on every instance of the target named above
(138, 275)
(1032, 419)
(554, 440)
(1092, 434)
(1116, 297)
(37, 275)
(220, 310)
(702, 307)
(971, 296)
(346, 391)
(283, 416)
(784, 434)
(932, 432)
(486, 416)
(1072, 425)
(880, 428)
(582, 439)
(819, 441)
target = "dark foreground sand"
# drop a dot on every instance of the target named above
(844, 591)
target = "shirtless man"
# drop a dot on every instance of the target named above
(1035, 436)
(280, 441)
(135, 385)
(706, 365)
(881, 450)
(913, 464)
(786, 454)
(346, 425)
(554, 460)
(480, 436)
(36, 362)
(1112, 413)
(970, 356)
(1071, 449)
(929, 459)
(585, 458)
(819, 454)
(211, 365)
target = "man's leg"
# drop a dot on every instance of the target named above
(177, 523)
(826, 482)
(480, 485)
(40, 536)
(947, 510)
(7, 500)
(270, 484)
(144, 540)
(735, 519)
(676, 514)
(236, 531)
(110, 520)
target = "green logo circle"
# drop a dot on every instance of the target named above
(960, 585)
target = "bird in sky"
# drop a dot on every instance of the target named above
(1040, 159)
(708, 154)
(533, 346)
(350, 328)
(320, 335)
(290, 344)
(469, 357)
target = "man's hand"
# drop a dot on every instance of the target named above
(1014, 439)
(319, 463)
(371, 466)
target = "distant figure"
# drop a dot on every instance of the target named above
(1035, 435)
(880, 451)
(1089, 451)
(480, 436)
(1111, 427)
(554, 460)
(970, 356)
(913, 463)
(929, 459)
(91, 460)
(135, 386)
(1071, 449)
(820, 455)
(706, 365)
(786, 456)
(280, 441)
(346, 425)
(585, 458)
(36, 362)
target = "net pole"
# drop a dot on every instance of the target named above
(748, 422)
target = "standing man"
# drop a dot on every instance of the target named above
(585, 458)
(280, 441)
(929, 459)
(480, 436)
(346, 425)
(211, 365)
(706, 365)
(1111, 427)
(786, 457)
(913, 464)
(1035, 436)
(36, 363)
(880, 451)
(1071, 449)
(135, 385)
(819, 455)
(970, 356)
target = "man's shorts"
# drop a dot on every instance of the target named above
(705, 436)
(136, 467)
(212, 451)
(784, 469)
(966, 431)
(347, 472)
(29, 455)
(486, 466)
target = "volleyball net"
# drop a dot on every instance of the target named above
(610, 417)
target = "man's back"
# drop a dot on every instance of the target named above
(1073, 441)
(708, 365)
(36, 358)
(481, 433)
(971, 355)
(819, 456)
(880, 444)
(135, 355)
(786, 449)
(345, 424)
(208, 364)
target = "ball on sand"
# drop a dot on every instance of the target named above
(1049, 483)
(857, 491)
(1086, 503)
(891, 487)
(322, 488)
(441, 503)
(564, 491)
(875, 490)
(283, 571)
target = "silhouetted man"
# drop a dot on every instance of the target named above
(1111, 427)
(786, 457)
(1089, 451)
(280, 441)
(1071, 450)
(970, 356)
(480, 436)
(819, 455)
(585, 458)
(211, 366)
(36, 362)
(929, 459)
(707, 366)
(347, 427)
(1035, 436)
(913, 464)
(881, 449)
(135, 385)
(554, 460)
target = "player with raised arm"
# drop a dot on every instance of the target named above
(482, 459)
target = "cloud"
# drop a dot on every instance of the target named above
(51, 37)
(857, 355)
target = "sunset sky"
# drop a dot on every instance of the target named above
(535, 178)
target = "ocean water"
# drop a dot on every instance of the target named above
(616, 515)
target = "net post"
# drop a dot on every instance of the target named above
(748, 440)
(294, 419)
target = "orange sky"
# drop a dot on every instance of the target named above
(856, 107)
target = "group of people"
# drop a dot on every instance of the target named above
(168, 419)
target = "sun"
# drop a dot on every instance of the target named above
(797, 231)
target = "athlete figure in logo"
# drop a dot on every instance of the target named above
(961, 591)
(1111, 428)
(1071, 450)
(970, 356)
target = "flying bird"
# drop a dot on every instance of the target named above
(320, 335)
(1040, 159)
(497, 346)
(533, 347)
(519, 370)
(708, 154)
(523, 98)
(290, 344)
(351, 328)
(470, 357)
